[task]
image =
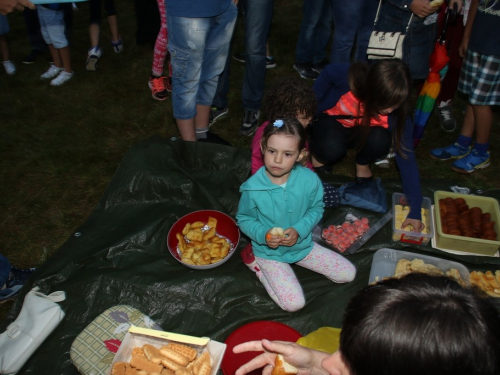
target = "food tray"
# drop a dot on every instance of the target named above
(400, 235)
(468, 244)
(385, 260)
(137, 337)
(375, 224)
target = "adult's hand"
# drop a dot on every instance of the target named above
(307, 361)
(8, 6)
(421, 8)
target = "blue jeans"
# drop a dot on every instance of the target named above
(419, 40)
(351, 18)
(258, 15)
(52, 26)
(4, 270)
(198, 49)
(315, 31)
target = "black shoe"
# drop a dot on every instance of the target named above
(320, 66)
(240, 57)
(306, 70)
(216, 113)
(363, 180)
(30, 59)
(250, 122)
(214, 138)
(323, 169)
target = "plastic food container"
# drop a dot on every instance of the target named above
(137, 337)
(385, 260)
(468, 244)
(401, 235)
(375, 223)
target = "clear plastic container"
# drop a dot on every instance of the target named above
(385, 260)
(407, 236)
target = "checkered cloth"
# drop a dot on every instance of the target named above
(480, 78)
(94, 348)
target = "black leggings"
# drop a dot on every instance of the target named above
(330, 141)
(95, 10)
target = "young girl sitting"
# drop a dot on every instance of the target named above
(292, 99)
(286, 195)
(368, 108)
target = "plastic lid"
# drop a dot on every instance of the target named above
(264, 329)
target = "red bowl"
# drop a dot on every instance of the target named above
(226, 227)
(264, 329)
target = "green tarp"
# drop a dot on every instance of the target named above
(120, 255)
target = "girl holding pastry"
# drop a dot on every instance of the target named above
(283, 194)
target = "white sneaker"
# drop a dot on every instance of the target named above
(9, 66)
(61, 78)
(51, 73)
(93, 57)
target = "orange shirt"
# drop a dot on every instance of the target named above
(348, 104)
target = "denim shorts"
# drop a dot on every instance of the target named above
(198, 49)
(52, 26)
(4, 25)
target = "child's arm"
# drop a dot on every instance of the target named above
(331, 84)
(246, 218)
(468, 28)
(316, 208)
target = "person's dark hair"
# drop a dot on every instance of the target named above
(420, 324)
(285, 126)
(289, 97)
(385, 84)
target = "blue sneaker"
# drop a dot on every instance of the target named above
(19, 276)
(9, 293)
(471, 163)
(454, 151)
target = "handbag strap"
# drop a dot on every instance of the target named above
(54, 297)
(378, 11)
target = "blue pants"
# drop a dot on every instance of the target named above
(353, 21)
(198, 49)
(4, 270)
(258, 15)
(315, 31)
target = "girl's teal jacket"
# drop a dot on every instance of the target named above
(264, 205)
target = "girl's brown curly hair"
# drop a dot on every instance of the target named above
(288, 98)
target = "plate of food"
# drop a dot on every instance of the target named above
(203, 239)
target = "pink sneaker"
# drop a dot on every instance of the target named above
(249, 258)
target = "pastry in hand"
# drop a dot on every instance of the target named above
(276, 231)
(282, 367)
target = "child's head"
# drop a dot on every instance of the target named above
(290, 98)
(283, 145)
(420, 324)
(383, 87)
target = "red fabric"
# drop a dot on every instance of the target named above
(348, 104)
(160, 51)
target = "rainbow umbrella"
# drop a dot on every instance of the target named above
(427, 97)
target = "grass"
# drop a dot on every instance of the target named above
(61, 145)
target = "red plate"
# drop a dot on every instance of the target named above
(264, 329)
